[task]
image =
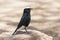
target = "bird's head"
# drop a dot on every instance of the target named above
(27, 10)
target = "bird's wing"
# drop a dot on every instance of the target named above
(21, 21)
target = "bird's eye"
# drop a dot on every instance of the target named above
(27, 10)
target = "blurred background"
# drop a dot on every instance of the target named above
(45, 16)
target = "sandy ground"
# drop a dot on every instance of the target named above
(45, 15)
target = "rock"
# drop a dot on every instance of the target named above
(22, 35)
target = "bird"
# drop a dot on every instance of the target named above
(25, 19)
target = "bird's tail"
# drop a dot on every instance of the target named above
(14, 31)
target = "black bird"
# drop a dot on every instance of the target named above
(25, 20)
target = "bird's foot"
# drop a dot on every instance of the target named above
(25, 30)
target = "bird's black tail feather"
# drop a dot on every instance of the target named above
(16, 29)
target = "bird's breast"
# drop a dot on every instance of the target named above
(26, 20)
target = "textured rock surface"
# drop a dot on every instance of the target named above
(21, 35)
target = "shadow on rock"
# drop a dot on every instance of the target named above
(23, 32)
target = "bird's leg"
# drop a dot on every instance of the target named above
(25, 29)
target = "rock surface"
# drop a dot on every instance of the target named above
(21, 35)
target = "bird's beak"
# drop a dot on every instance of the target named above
(31, 8)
